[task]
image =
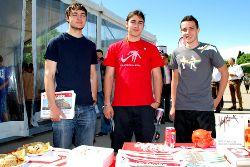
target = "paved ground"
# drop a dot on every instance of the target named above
(104, 141)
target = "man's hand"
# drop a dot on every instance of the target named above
(94, 101)
(216, 102)
(56, 114)
(172, 114)
(108, 111)
(155, 105)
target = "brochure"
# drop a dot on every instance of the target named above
(65, 100)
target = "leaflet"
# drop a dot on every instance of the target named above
(65, 100)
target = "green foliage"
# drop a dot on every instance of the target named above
(245, 58)
(27, 57)
(42, 42)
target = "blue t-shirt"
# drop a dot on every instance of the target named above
(74, 57)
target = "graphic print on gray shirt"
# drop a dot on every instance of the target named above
(195, 67)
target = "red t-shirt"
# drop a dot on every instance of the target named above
(133, 62)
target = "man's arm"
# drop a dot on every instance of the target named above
(157, 86)
(223, 83)
(93, 81)
(49, 82)
(108, 84)
(174, 84)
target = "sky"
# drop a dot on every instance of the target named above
(223, 23)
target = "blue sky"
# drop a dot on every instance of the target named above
(224, 23)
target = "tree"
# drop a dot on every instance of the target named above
(244, 58)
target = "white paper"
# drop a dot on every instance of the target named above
(65, 100)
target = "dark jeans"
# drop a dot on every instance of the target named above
(215, 89)
(234, 87)
(165, 103)
(128, 120)
(28, 104)
(186, 121)
(105, 123)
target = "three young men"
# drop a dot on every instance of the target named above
(133, 68)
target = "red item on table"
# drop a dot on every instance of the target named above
(202, 138)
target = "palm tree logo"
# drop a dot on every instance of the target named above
(133, 54)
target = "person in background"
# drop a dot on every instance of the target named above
(28, 87)
(246, 80)
(70, 61)
(192, 103)
(105, 123)
(166, 89)
(4, 82)
(134, 64)
(216, 77)
(235, 75)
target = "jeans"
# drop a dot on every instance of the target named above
(80, 130)
(3, 108)
(105, 123)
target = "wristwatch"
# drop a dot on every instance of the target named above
(105, 105)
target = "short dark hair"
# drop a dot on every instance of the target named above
(137, 13)
(75, 6)
(233, 59)
(99, 50)
(190, 18)
(1, 58)
(164, 55)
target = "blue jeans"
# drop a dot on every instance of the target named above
(105, 123)
(80, 130)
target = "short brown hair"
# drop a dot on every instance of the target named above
(137, 13)
(190, 18)
(75, 6)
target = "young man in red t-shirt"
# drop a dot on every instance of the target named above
(134, 65)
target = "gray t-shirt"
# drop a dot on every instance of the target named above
(195, 68)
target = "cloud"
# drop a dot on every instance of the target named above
(226, 53)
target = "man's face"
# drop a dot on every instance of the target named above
(99, 55)
(165, 59)
(135, 26)
(189, 32)
(77, 19)
(230, 62)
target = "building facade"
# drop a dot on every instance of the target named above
(26, 27)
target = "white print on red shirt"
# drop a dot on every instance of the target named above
(133, 54)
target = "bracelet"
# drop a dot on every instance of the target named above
(106, 105)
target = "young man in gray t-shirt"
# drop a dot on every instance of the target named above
(192, 102)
